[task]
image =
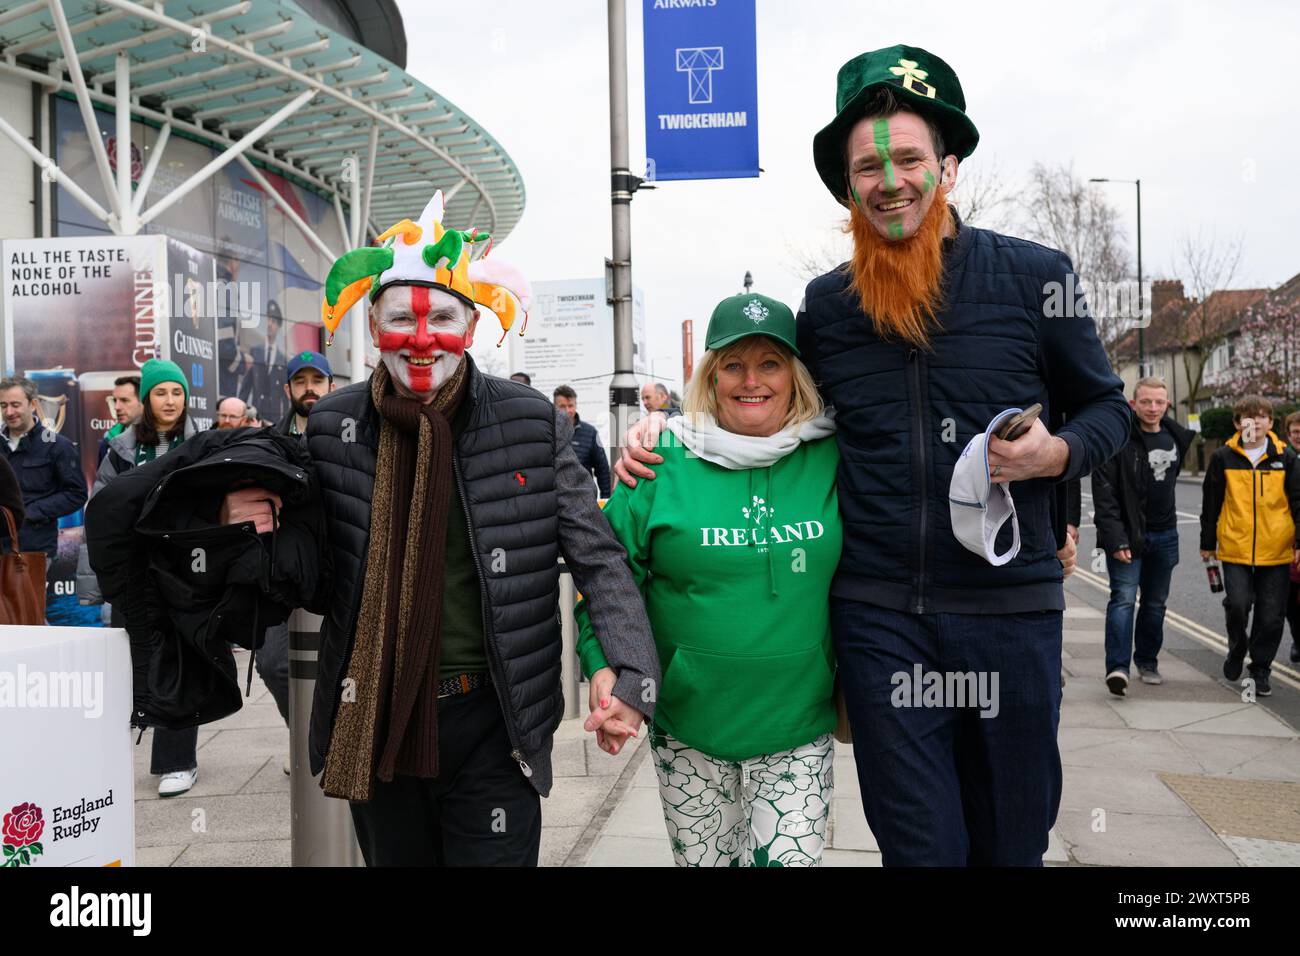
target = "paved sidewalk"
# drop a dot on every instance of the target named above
(1183, 774)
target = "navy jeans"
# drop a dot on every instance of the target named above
(1151, 574)
(941, 784)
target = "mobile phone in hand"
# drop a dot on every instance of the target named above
(1017, 425)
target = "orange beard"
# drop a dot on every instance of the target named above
(899, 282)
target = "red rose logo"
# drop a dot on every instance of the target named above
(22, 829)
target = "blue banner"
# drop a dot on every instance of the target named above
(701, 89)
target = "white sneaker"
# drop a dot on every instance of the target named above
(288, 767)
(1117, 682)
(174, 783)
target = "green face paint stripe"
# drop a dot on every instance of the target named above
(880, 134)
(896, 230)
(929, 181)
(857, 200)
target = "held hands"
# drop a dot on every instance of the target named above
(1067, 555)
(1207, 556)
(638, 450)
(1035, 454)
(250, 504)
(612, 720)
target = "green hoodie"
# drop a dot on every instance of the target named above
(735, 565)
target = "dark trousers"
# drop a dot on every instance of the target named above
(174, 750)
(941, 784)
(272, 660)
(479, 811)
(171, 750)
(1293, 611)
(1151, 574)
(1265, 589)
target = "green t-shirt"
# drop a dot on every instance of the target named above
(735, 567)
(463, 650)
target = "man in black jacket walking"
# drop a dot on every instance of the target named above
(48, 469)
(1133, 497)
(586, 440)
(450, 496)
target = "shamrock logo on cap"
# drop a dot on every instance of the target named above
(305, 356)
(912, 77)
(756, 311)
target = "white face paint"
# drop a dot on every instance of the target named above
(421, 334)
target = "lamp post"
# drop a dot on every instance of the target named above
(1142, 352)
(749, 281)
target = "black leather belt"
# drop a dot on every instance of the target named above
(462, 684)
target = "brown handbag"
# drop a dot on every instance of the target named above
(22, 581)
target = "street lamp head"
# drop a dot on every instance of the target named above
(1098, 179)
(749, 280)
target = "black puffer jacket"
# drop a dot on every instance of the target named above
(1119, 489)
(904, 415)
(527, 501)
(188, 586)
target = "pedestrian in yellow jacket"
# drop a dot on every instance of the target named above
(1249, 512)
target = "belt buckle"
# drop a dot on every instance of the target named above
(463, 680)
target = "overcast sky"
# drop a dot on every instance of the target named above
(1196, 99)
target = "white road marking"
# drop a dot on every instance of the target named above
(1198, 632)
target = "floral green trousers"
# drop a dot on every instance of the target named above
(770, 810)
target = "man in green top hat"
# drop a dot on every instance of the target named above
(923, 338)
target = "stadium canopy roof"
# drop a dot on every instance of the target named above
(259, 80)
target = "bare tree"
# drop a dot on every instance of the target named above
(984, 197)
(1265, 360)
(492, 361)
(1207, 266)
(809, 262)
(1062, 211)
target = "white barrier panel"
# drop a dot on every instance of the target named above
(67, 787)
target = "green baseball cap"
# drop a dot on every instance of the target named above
(916, 77)
(750, 314)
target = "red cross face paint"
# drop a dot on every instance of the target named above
(422, 335)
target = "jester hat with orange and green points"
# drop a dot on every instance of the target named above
(427, 254)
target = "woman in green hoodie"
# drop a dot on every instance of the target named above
(734, 545)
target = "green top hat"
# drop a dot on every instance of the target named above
(750, 314)
(916, 77)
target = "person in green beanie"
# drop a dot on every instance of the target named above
(734, 546)
(163, 424)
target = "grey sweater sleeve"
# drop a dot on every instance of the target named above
(600, 572)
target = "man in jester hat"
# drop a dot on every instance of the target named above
(450, 496)
(949, 662)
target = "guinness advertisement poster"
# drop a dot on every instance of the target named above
(79, 313)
